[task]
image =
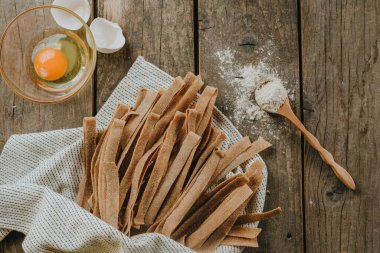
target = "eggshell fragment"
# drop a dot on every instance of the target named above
(67, 21)
(108, 36)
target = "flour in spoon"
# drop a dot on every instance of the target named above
(271, 95)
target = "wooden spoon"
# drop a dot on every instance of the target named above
(286, 111)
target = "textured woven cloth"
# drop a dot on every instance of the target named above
(40, 174)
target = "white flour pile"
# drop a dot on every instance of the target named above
(271, 95)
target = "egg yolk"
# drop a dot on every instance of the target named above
(50, 64)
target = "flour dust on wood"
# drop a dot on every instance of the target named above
(243, 79)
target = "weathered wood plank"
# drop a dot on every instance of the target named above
(161, 31)
(20, 116)
(341, 72)
(240, 36)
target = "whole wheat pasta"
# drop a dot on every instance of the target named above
(178, 185)
(113, 140)
(217, 218)
(189, 78)
(255, 175)
(205, 100)
(160, 167)
(221, 191)
(191, 125)
(192, 194)
(138, 176)
(121, 110)
(191, 120)
(221, 232)
(204, 206)
(253, 217)
(107, 156)
(205, 137)
(216, 139)
(238, 241)
(93, 201)
(189, 144)
(89, 146)
(259, 145)
(244, 232)
(135, 124)
(164, 101)
(138, 152)
(233, 151)
(180, 103)
(205, 106)
(111, 212)
(140, 98)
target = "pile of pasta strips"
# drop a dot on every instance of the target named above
(152, 168)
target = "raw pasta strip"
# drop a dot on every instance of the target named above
(113, 140)
(160, 167)
(244, 232)
(191, 125)
(204, 206)
(221, 214)
(140, 170)
(221, 232)
(255, 176)
(93, 201)
(138, 152)
(121, 110)
(205, 106)
(191, 120)
(205, 100)
(238, 241)
(205, 139)
(180, 103)
(216, 139)
(108, 155)
(89, 146)
(221, 191)
(164, 101)
(111, 211)
(189, 144)
(256, 147)
(178, 185)
(136, 166)
(192, 194)
(140, 98)
(134, 125)
(189, 78)
(252, 217)
(232, 152)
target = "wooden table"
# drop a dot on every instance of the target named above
(326, 52)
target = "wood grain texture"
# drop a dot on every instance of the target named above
(341, 72)
(161, 31)
(21, 116)
(254, 32)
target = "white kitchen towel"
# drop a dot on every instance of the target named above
(40, 174)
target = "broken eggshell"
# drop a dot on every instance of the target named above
(108, 36)
(67, 21)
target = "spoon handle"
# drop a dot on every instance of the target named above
(326, 156)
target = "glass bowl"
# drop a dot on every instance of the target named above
(18, 45)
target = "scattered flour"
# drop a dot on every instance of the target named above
(242, 81)
(271, 95)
